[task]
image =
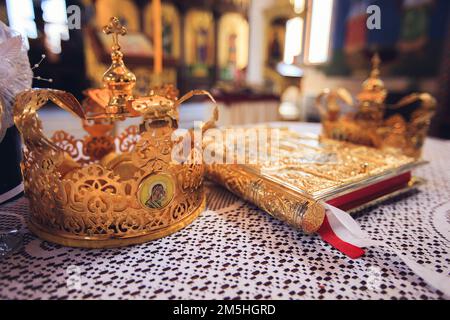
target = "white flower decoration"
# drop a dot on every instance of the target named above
(15, 73)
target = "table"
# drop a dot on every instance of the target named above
(235, 251)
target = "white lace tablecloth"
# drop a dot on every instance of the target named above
(235, 251)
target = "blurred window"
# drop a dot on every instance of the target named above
(54, 14)
(320, 15)
(21, 18)
(293, 42)
(299, 5)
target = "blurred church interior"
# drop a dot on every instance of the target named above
(263, 60)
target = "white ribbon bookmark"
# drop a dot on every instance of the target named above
(11, 193)
(347, 229)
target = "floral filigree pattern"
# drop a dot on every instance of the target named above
(128, 139)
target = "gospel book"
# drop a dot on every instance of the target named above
(304, 171)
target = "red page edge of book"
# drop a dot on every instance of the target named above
(359, 197)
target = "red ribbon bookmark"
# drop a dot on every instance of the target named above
(327, 234)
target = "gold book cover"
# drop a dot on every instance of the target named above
(299, 172)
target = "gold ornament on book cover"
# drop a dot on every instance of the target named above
(108, 190)
(375, 123)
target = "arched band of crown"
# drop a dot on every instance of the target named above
(27, 104)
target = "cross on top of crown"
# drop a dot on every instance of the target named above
(115, 28)
(376, 61)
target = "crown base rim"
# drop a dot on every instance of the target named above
(96, 243)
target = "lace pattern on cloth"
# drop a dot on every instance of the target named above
(235, 251)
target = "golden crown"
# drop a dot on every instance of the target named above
(108, 190)
(402, 126)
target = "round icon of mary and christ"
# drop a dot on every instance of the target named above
(156, 191)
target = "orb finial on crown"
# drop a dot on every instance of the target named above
(118, 78)
(373, 89)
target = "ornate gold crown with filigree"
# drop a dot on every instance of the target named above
(108, 190)
(402, 126)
